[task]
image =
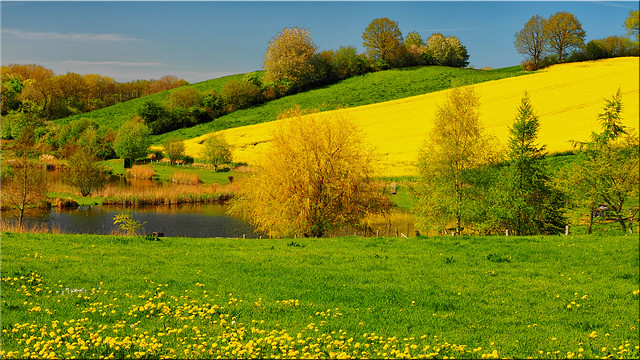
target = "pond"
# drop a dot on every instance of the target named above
(209, 220)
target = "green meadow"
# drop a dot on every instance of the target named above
(359, 90)
(92, 296)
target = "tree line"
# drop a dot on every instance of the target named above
(292, 63)
(56, 96)
(560, 38)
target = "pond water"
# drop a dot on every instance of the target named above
(186, 220)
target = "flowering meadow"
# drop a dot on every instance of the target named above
(92, 296)
(567, 98)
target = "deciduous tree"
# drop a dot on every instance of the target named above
(85, 172)
(289, 58)
(174, 148)
(607, 172)
(184, 98)
(383, 40)
(316, 176)
(450, 164)
(564, 32)
(216, 151)
(531, 41)
(632, 24)
(132, 141)
(27, 186)
(447, 51)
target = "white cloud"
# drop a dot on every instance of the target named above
(78, 37)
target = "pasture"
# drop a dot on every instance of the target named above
(93, 296)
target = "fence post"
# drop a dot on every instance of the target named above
(506, 232)
(566, 230)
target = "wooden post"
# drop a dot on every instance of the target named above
(566, 230)
(388, 228)
(396, 232)
(506, 232)
(377, 233)
(243, 236)
(407, 229)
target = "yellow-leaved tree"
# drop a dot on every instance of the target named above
(288, 59)
(316, 176)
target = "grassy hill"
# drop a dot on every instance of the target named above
(115, 115)
(567, 98)
(89, 296)
(360, 90)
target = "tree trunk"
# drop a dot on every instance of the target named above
(590, 222)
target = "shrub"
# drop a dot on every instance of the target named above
(240, 94)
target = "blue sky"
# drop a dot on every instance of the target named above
(203, 39)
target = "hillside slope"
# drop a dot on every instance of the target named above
(359, 90)
(567, 98)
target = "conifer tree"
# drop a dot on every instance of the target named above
(533, 205)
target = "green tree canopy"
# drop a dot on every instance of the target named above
(132, 140)
(216, 151)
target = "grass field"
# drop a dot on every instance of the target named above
(93, 296)
(567, 98)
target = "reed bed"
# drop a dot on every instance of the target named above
(181, 177)
(168, 195)
(37, 228)
(62, 188)
(141, 172)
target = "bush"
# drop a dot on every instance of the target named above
(239, 94)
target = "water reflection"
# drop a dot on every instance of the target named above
(189, 220)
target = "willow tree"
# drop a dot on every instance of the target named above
(316, 176)
(451, 163)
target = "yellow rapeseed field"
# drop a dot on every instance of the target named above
(567, 98)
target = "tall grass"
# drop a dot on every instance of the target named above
(37, 228)
(141, 172)
(181, 177)
(167, 195)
